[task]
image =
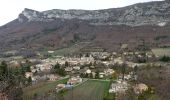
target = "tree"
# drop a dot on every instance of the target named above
(3, 68)
(11, 78)
(123, 70)
(76, 37)
(87, 55)
(97, 74)
(167, 1)
(35, 96)
(165, 59)
(91, 75)
(29, 80)
(90, 64)
(135, 69)
(26, 67)
(15, 93)
(130, 94)
(57, 66)
(81, 55)
(85, 75)
(114, 75)
(61, 72)
(66, 64)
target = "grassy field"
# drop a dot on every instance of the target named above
(68, 50)
(40, 88)
(90, 90)
(71, 49)
(161, 51)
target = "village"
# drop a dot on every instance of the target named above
(119, 68)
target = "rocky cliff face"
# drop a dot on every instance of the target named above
(136, 15)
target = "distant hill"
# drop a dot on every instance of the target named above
(106, 28)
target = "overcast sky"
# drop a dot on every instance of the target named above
(10, 9)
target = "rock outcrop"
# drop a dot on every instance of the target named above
(134, 15)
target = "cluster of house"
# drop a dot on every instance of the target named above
(71, 60)
(122, 85)
(119, 86)
(100, 55)
(75, 63)
(106, 72)
(35, 78)
(47, 64)
(73, 81)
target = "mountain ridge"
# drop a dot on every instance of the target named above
(36, 30)
(134, 15)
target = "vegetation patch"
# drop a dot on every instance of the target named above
(41, 88)
(90, 90)
(161, 51)
(160, 37)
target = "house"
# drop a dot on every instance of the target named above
(74, 80)
(76, 68)
(50, 52)
(109, 71)
(119, 87)
(47, 67)
(28, 74)
(53, 77)
(60, 86)
(44, 66)
(40, 78)
(118, 60)
(114, 53)
(124, 46)
(34, 69)
(72, 62)
(39, 66)
(68, 69)
(132, 64)
(139, 88)
(92, 67)
(127, 77)
(106, 63)
(101, 75)
(88, 71)
(14, 63)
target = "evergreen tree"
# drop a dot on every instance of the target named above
(66, 64)
(3, 68)
(97, 75)
(61, 72)
(123, 70)
(165, 59)
(29, 80)
(57, 66)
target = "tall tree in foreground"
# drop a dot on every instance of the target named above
(9, 83)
